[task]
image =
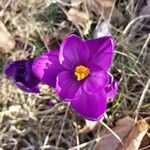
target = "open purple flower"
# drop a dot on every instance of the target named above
(24, 78)
(78, 71)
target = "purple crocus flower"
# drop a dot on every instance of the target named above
(78, 71)
(24, 78)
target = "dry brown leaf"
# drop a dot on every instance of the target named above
(103, 8)
(7, 43)
(100, 7)
(78, 17)
(89, 126)
(135, 137)
(131, 135)
(123, 126)
(94, 6)
(145, 141)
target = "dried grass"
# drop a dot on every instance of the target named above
(27, 122)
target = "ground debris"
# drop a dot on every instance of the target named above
(78, 17)
(105, 9)
(7, 43)
(130, 134)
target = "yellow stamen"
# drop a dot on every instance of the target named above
(81, 72)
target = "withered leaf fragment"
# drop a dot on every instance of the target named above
(7, 43)
(129, 132)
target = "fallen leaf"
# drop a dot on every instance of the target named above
(145, 141)
(100, 7)
(123, 126)
(131, 135)
(7, 43)
(103, 8)
(135, 136)
(94, 6)
(118, 17)
(78, 17)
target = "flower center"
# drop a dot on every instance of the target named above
(81, 72)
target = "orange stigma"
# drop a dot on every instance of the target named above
(81, 72)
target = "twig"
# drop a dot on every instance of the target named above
(77, 136)
(67, 4)
(143, 48)
(133, 21)
(50, 147)
(145, 148)
(63, 123)
(3, 10)
(111, 12)
(111, 131)
(141, 100)
(85, 144)
(47, 137)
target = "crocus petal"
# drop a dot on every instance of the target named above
(30, 78)
(23, 76)
(23, 87)
(112, 89)
(90, 106)
(67, 86)
(73, 52)
(101, 51)
(96, 81)
(47, 67)
(10, 69)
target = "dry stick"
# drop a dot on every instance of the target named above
(146, 42)
(49, 110)
(49, 2)
(131, 5)
(59, 137)
(77, 135)
(85, 144)
(63, 3)
(67, 4)
(110, 15)
(3, 10)
(141, 100)
(112, 132)
(145, 148)
(144, 46)
(47, 137)
(49, 131)
(50, 147)
(133, 21)
(111, 12)
(142, 50)
(78, 142)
